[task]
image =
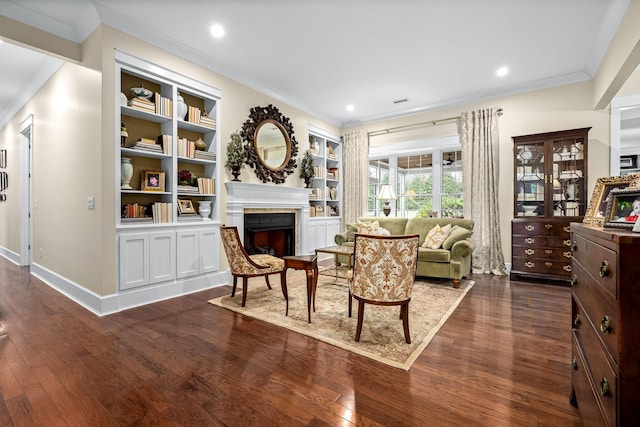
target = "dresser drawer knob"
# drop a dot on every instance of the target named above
(529, 227)
(574, 363)
(529, 240)
(567, 254)
(566, 229)
(529, 251)
(548, 226)
(567, 242)
(548, 264)
(529, 264)
(605, 324)
(577, 320)
(548, 251)
(604, 387)
(566, 267)
(604, 269)
(574, 280)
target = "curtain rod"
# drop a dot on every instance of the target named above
(429, 123)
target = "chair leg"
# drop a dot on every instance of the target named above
(360, 318)
(245, 284)
(266, 278)
(404, 314)
(235, 284)
(350, 302)
(456, 283)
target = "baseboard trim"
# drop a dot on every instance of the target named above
(102, 305)
(10, 255)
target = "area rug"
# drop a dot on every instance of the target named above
(382, 337)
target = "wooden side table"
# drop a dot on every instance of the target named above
(309, 263)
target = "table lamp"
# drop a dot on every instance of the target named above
(386, 194)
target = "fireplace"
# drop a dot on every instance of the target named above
(249, 198)
(270, 233)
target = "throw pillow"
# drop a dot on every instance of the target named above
(457, 233)
(381, 232)
(352, 229)
(436, 236)
(367, 227)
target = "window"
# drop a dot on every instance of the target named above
(426, 176)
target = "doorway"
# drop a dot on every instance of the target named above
(26, 144)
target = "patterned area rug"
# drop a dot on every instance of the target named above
(382, 336)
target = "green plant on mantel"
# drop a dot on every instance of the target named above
(236, 155)
(307, 172)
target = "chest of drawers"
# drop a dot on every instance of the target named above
(605, 326)
(541, 248)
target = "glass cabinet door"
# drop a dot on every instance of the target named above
(530, 179)
(568, 177)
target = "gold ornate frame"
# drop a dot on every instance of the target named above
(598, 204)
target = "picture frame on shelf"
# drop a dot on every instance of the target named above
(597, 207)
(152, 180)
(623, 208)
(185, 206)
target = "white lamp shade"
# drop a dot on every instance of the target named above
(386, 193)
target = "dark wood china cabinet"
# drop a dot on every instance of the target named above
(550, 192)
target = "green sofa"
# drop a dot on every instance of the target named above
(452, 263)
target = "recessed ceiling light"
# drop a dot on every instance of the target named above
(217, 31)
(502, 71)
(350, 107)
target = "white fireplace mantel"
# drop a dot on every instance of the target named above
(242, 196)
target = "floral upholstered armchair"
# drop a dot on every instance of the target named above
(244, 265)
(384, 270)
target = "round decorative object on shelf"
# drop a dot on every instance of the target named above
(126, 173)
(200, 145)
(141, 92)
(204, 208)
(123, 99)
(182, 107)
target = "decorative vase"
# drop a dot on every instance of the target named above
(307, 182)
(333, 193)
(200, 145)
(235, 171)
(182, 107)
(204, 208)
(126, 172)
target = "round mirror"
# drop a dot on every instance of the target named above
(272, 145)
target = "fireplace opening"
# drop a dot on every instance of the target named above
(270, 233)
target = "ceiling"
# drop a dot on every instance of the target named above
(320, 55)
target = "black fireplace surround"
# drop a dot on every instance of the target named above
(270, 233)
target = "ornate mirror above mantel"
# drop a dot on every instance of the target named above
(269, 143)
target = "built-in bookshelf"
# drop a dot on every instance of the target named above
(325, 195)
(168, 145)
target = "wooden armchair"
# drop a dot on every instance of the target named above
(244, 265)
(384, 270)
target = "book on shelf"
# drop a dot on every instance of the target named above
(186, 148)
(134, 211)
(333, 173)
(162, 212)
(139, 145)
(207, 122)
(144, 220)
(166, 142)
(206, 186)
(163, 106)
(193, 115)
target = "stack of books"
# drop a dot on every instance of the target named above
(193, 115)
(140, 103)
(206, 186)
(205, 155)
(188, 189)
(189, 217)
(134, 213)
(208, 122)
(145, 144)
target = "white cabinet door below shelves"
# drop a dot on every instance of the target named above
(210, 250)
(162, 260)
(134, 260)
(198, 252)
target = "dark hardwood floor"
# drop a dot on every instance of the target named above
(502, 359)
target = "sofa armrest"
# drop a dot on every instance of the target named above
(340, 238)
(462, 248)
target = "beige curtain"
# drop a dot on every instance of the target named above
(480, 173)
(355, 170)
